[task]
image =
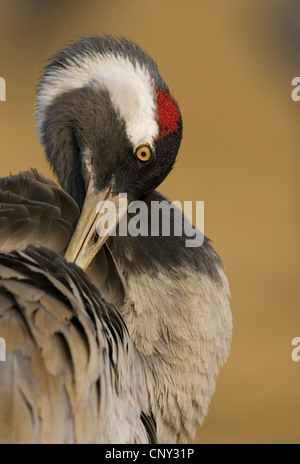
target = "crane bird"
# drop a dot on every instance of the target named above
(130, 353)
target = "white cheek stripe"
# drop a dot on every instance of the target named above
(130, 87)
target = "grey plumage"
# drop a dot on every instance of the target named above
(98, 101)
(178, 316)
(68, 357)
(69, 360)
(32, 209)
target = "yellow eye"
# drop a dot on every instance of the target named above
(143, 153)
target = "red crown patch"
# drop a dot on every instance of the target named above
(168, 114)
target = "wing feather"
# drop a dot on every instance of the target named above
(70, 368)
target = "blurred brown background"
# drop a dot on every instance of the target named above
(229, 65)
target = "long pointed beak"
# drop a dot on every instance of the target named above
(100, 215)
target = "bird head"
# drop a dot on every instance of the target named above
(108, 125)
